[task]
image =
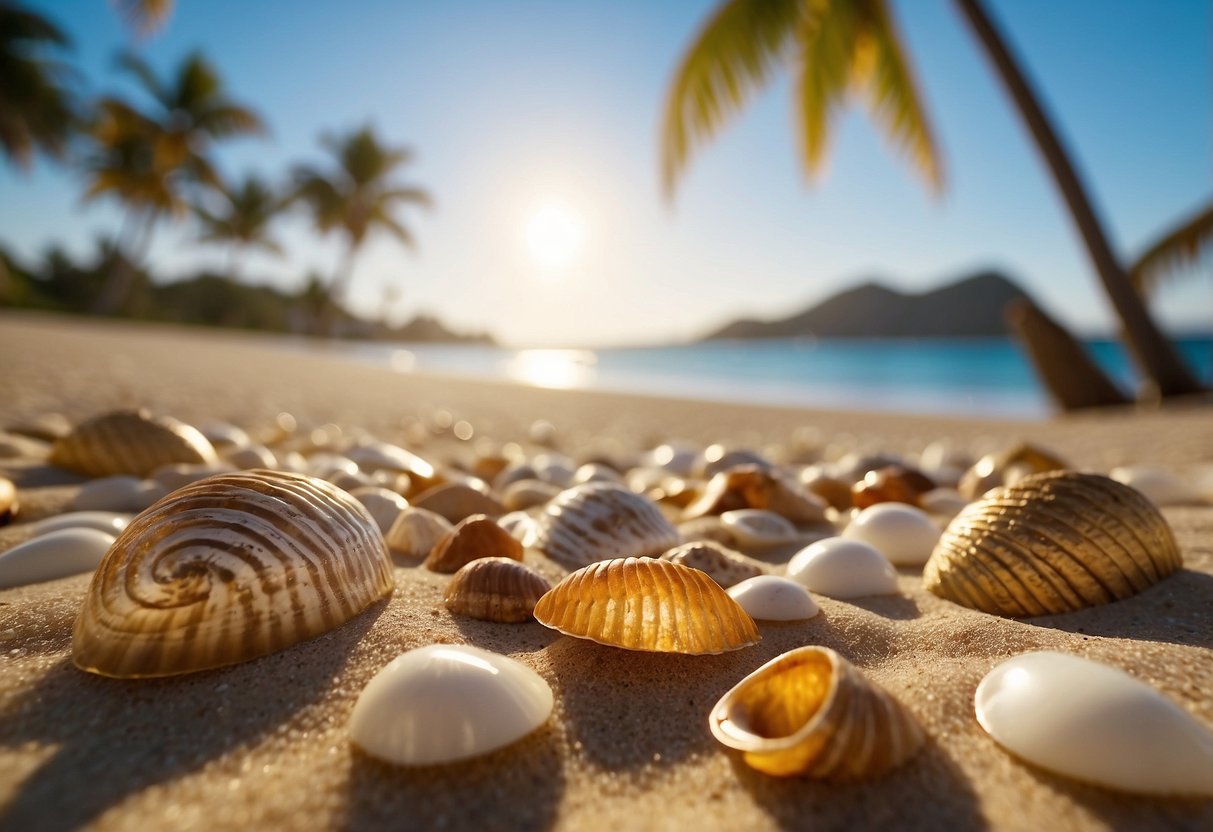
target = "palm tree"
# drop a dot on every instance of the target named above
(356, 198)
(835, 46)
(1185, 245)
(244, 221)
(36, 108)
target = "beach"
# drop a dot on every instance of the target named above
(264, 743)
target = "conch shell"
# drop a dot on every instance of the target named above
(130, 442)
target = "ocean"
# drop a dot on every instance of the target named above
(987, 377)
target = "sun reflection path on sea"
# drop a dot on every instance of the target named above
(553, 368)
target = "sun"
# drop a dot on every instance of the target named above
(554, 233)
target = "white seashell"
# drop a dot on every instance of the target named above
(222, 434)
(56, 554)
(415, 532)
(326, 466)
(445, 702)
(385, 506)
(1162, 488)
(386, 456)
(596, 472)
(600, 521)
(772, 598)
(842, 568)
(677, 458)
(110, 522)
(1086, 720)
(944, 503)
(902, 533)
(252, 456)
(755, 528)
(555, 468)
(120, 493)
(292, 461)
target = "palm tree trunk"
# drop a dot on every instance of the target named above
(134, 241)
(337, 289)
(1155, 356)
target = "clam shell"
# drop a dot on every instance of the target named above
(130, 442)
(757, 529)
(448, 702)
(1006, 468)
(1082, 719)
(455, 501)
(228, 569)
(598, 521)
(415, 532)
(811, 712)
(474, 537)
(752, 486)
(495, 589)
(772, 598)
(718, 562)
(8, 501)
(56, 554)
(843, 569)
(1053, 543)
(902, 533)
(647, 604)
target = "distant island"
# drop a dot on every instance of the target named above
(967, 308)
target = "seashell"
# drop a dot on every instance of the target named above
(717, 460)
(120, 493)
(598, 521)
(9, 507)
(415, 532)
(182, 474)
(1092, 722)
(496, 589)
(811, 712)
(853, 466)
(524, 494)
(384, 506)
(351, 482)
(1053, 543)
(755, 529)
(843, 569)
(647, 604)
(675, 491)
(512, 473)
(45, 427)
(1006, 468)
(455, 501)
(228, 569)
(283, 428)
(225, 436)
(392, 481)
(112, 523)
(543, 432)
(489, 465)
(555, 468)
(903, 534)
(1162, 488)
(677, 458)
(835, 492)
(891, 484)
(596, 472)
(56, 554)
(474, 537)
(13, 446)
(519, 525)
(944, 503)
(130, 442)
(772, 598)
(750, 486)
(707, 529)
(326, 465)
(448, 702)
(718, 562)
(251, 456)
(944, 453)
(385, 456)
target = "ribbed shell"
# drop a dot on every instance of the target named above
(811, 712)
(647, 604)
(130, 442)
(1052, 543)
(598, 521)
(720, 563)
(472, 538)
(496, 589)
(227, 569)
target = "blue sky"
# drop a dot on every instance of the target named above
(507, 105)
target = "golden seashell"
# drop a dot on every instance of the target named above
(834, 491)
(455, 501)
(751, 486)
(495, 589)
(891, 484)
(598, 521)
(227, 569)
(1052, 543)
(647, 604)
(811, 712)
(720, 563)
(474, 537)
(1006, 468)
(130, 442)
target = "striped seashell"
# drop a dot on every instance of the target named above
(496, 589)
(811, 712)
(472, 538)
(647, 604)
(598, 521)
(751, 486)
(1052, 543)
(720, 563)
(130, 442)
(227, 569)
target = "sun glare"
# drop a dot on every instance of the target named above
(554, 234)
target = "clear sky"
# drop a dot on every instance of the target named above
(513, 106)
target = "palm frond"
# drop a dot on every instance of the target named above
(129, 62)
(827, 55)
(730, 60)
(18, 25)
(382, 219)
(37, 106)
(1183, 246)
(146, 17)
(415, 196)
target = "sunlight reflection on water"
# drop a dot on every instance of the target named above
(553, 368)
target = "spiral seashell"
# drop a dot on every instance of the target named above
(1053, 543)
(751, 486)
(475, 537)
(811, 712)
(130, 442)
(227, 569)
(415, 532)
(495, 589)
(647, 604)
(720, 563)
(598, 521)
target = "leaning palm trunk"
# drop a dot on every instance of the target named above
(121, 279)
(329, 314)
(1155, 356)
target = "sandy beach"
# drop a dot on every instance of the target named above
(264, 744)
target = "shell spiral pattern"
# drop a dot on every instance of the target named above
(232, 567)
(598, 521)
(1052, 543)
(130, 442)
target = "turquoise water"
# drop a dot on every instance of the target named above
(988, 377)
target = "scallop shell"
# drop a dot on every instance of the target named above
(773, 598)
(496, 589)
(415, 532)
(598, 521)
(718, 562)
(448, 702)
(130, 442)
(227, 569)
(1053, 543)
(647, 604)
(811, 712)
(751, 486)
(474, 537)
(1096, 723)
(8, 501)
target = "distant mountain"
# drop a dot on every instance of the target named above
(971, 307)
